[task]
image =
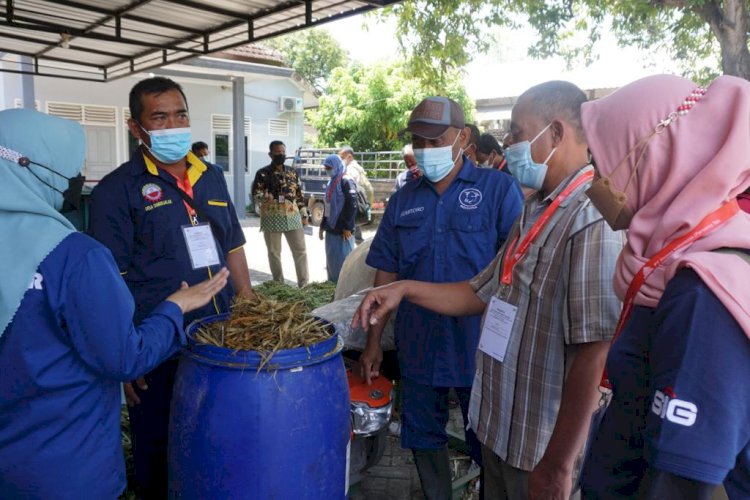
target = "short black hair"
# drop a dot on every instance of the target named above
(197, 146)
(487, 143)
(155, 85)
(274, 144)
(474, 138)
(558, 99)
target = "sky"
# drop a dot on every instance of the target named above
(508, 70)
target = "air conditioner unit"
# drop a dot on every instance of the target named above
(291, 104)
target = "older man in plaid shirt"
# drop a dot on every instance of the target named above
(550, 309)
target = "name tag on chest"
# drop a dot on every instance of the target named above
(201, 245)
(497, 328)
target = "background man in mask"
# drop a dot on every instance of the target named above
(358, 174)
(140, 212)
(490, 153)
(444, 226)
(278, 192)
(550, 309)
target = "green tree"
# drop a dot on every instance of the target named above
(312, 53)
(367, 106)
(442, 34)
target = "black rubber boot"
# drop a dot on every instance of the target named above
(434, 473)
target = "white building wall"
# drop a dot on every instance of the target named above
(205, 98)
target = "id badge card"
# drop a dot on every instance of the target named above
(281, 198)
(498, 325)
(201, 245)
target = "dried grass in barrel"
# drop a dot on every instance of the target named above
(266, 326)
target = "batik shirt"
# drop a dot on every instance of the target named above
(284, 211)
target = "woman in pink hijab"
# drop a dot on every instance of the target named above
(671, 159)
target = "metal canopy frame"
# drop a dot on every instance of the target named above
(103, 40)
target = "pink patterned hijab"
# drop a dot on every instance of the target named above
(700, 161)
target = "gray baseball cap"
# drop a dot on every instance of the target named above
(434, 115)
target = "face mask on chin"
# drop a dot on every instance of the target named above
(611, 203)
(169, 145)
(437, 163)
(526, 171)
(487, 162)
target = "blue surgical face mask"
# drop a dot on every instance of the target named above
(169, 145)
(205, 159)
(526, 171)
(331, 172)
(436, 163)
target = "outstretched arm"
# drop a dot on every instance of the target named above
(451, 299)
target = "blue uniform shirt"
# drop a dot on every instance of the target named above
(443, 238)
(679, 400)
(138, 214)
(63, 356)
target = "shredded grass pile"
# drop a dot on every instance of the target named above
(267, 325)
(313, 295)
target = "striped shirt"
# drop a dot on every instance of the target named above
(564, 294)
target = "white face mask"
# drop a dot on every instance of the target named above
(487, 162)
(526, 171)
(437, 163)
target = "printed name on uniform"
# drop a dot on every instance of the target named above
(412, 211)
(158, 204)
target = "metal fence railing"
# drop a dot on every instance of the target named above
(377, 164)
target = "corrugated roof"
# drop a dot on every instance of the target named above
(105, 40)
(256, 53)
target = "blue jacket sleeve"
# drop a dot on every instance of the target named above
(235, 236)
(98, 313)
(110, 222)
(347, 219)
(384, 251)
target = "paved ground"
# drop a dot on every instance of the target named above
(257, 257)
(395, 476)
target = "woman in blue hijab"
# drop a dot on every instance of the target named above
(340, 214)
(66, 332)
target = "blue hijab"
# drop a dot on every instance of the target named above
(30, 224)
(334, 193)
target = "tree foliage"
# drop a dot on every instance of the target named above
(367, 106)
(312, 53)
(442, 34)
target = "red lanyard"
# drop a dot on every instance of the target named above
(185, 185)
(509, 262)
(708, 224)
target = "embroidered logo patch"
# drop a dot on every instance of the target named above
(470, 198)
(152, 192)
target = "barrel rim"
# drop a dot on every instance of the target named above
(244, 359)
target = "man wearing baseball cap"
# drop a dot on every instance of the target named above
(445, 226)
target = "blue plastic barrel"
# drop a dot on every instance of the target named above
(239, 433)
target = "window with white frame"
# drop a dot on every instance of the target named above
(100, 126)
(221, 134)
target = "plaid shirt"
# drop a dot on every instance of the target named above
(564, 294)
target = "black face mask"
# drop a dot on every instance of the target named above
(278, 159)
(71, 196)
